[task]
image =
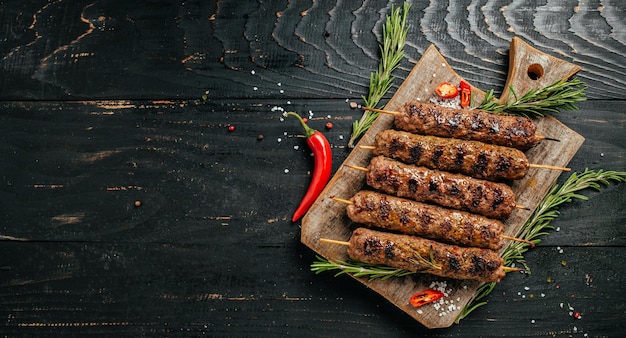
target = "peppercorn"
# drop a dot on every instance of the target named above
(329, 125)
(231, 128)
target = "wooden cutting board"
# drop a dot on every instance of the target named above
(529, 68)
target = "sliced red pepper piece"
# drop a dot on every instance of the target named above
(446, 90)
(466, 94)
(425, 297)
(322, 167)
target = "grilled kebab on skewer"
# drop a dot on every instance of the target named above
(396, 214)
(456, 191)
(472, 158)
(427, 256)
(466, 124)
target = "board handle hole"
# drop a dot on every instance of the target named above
(535, 71)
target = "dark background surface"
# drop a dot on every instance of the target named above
(101, 106)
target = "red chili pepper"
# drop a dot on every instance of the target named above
(446, 90)
(425, 297)
(466, 94)
(322, 168)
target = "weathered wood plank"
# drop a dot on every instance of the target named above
(74, 288)
(117, 49)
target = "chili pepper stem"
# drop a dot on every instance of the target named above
(308, 131)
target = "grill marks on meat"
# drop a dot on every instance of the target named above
(505, 130)
(409, 253)
(456, 191)
(472, 158)
(415, 218)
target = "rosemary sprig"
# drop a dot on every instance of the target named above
(423, 263)
(357, 269)
(392, 52)
(560, 95)
(538, 224)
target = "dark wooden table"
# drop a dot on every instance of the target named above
(127, 207)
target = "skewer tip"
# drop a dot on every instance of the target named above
(357, 167)
(334, 241)
(511, 269)
(342, 200)
(516, 239)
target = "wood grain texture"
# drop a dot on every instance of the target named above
(318, 49)
(100, 107)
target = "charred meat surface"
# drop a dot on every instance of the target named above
(423, 255)
(382, 211)
(504, 130)
(456, 191)
(472, 158)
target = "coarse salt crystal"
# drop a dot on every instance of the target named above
(526, 288)
(341, 137)
(282, 91)
(288, 102)
(279, 140)
(286, 171)
(296, 147)
(279, 84)
(255, 88)
(252, 72)
(532, 321)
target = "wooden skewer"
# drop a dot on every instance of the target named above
(390, 112)
(382, 111)
(511, 269)
(334, 241)
(511, 238)
(551, 167)
(532, 165)
(342, 200)
(357, 168)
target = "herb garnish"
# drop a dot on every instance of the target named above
(560, 95)
(392, 52)
(357, 269)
